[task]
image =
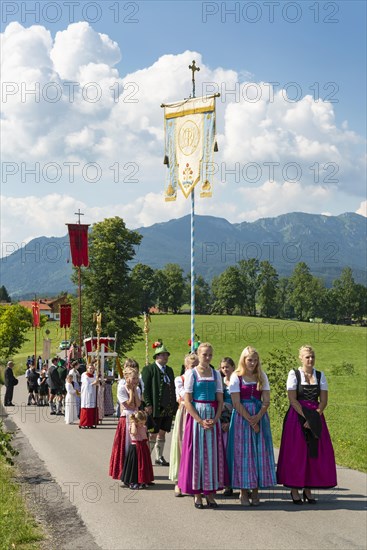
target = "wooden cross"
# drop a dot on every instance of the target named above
(193, 68)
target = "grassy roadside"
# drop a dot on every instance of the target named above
(19, 530)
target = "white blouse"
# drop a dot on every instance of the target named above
(292, 380)
(234, 383)
(123, 396)
(179, 388)
(189, 380)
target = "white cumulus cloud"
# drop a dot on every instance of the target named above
(67, 102)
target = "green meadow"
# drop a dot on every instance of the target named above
(340, 353)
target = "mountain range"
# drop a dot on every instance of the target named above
(326, 244)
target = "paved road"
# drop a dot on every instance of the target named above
(78, 461)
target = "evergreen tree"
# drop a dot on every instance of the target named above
(4, 296)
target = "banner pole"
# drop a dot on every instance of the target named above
(35, 338)
(192, 270)
(80, 311)
(193, 69)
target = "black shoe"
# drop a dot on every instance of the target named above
(198, 505)
(297, 501)
(211, 504)
(53, 412)
(308, 499)
(228, 492)
(162, 461)
(9, 405)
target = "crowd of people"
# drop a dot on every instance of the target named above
(221, 436)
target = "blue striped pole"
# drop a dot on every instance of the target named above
(192, 269)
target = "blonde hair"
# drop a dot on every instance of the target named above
(130, 367)
(205, 345)
(140, 416)
(306, 348)
(241, 368)
(131, 363)
(130, 372)
(190, 358)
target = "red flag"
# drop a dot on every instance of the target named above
(36, 314)
(78, 235)
(65, 315)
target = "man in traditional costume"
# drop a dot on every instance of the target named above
(159, 398)
(54, 384)
(10, 381)
(61, 393)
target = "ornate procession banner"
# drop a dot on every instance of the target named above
(189, 145)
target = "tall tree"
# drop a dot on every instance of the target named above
(307, 292)
(15, 321)
(161, 284)
(285, 309)
(228, 291)
(203, 296)
(346, 295)
(144, 278)
(107, 284)
(268, 285)
(175, 286)
(361, 309)
(249, 272)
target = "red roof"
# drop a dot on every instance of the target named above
(28, 304)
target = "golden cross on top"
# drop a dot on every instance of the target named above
(193, 68)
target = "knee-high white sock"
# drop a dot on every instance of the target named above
(151, 444)
(159, 448)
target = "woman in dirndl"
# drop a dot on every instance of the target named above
(306, 457)
(203, 469)
(250, 453)
(191, 360)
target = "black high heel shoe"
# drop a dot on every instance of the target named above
(297, 501)
(211, 504)
(308, 499)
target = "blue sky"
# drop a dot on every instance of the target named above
(314, 50)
